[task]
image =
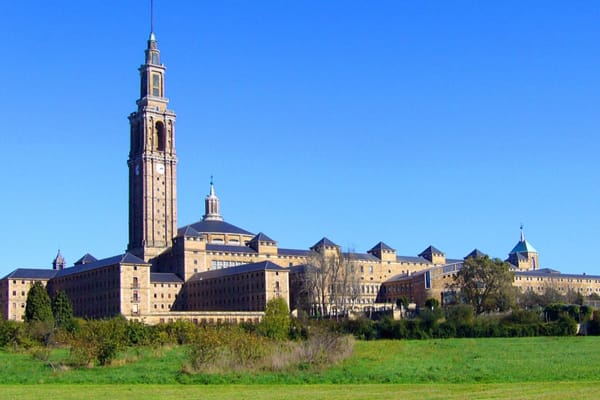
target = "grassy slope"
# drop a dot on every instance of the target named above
(537, 391)
(482, 368)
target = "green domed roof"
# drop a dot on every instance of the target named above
(523, 247)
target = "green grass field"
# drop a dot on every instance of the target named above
(528, 368)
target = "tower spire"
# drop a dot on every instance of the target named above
(212, 205)
(152, 37)
(152, 160)
(522, 234)
(59, 262)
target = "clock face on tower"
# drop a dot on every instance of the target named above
(160, 168)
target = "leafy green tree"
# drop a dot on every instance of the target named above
(486, 284)
(276, 322)
(62, 309)
(38, 306)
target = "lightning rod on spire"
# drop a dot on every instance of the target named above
(151, 16)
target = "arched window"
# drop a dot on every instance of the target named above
(160, 137)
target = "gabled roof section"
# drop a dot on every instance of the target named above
(31, 273)
(410, 259)
(129, 258)
(293, 252)
(213, 226)
(550, 271)
(380, 247)
(261, 237)
(240, 269)
(187, 231)
(126, 258)
(86, 259)
(475, 254)
(360, 257)
(299, 269)
(226, 248)
(324, 243)
(431, 250)
(521, 257)
(165, 277)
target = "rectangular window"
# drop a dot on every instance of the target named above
(156, 85)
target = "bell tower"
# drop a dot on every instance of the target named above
(152, 163)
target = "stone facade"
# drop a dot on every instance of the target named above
(213, 271)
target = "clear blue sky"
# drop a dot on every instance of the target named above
(414, 123)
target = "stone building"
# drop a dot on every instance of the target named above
(434, 282)
(214, 271)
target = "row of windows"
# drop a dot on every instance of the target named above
(227, 289)
(552, 279)
(88, 286)
(369, 288)
(210, 320)
(162, 295)
(220, 264)
(227, 279)
(168, 285)
(229, 301)
(562, 289)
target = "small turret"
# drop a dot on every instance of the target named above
(212, 205)
(59, 262)
(524, 256)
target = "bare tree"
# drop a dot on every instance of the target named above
(331, 283)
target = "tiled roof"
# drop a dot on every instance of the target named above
(126, 258)
(418, 260)
(298, 269)
(324, 243)
(31, 273)
(523, 247)
(86, 259)
(431, 250)
(381, 246)
(261, 237)
(187, 231)
(521, 257)
(210, 226)
(226, 248)
(475, 254)
(240, 269)
(553, 272)
(165, 277)
(293, 252)
(361, 256)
